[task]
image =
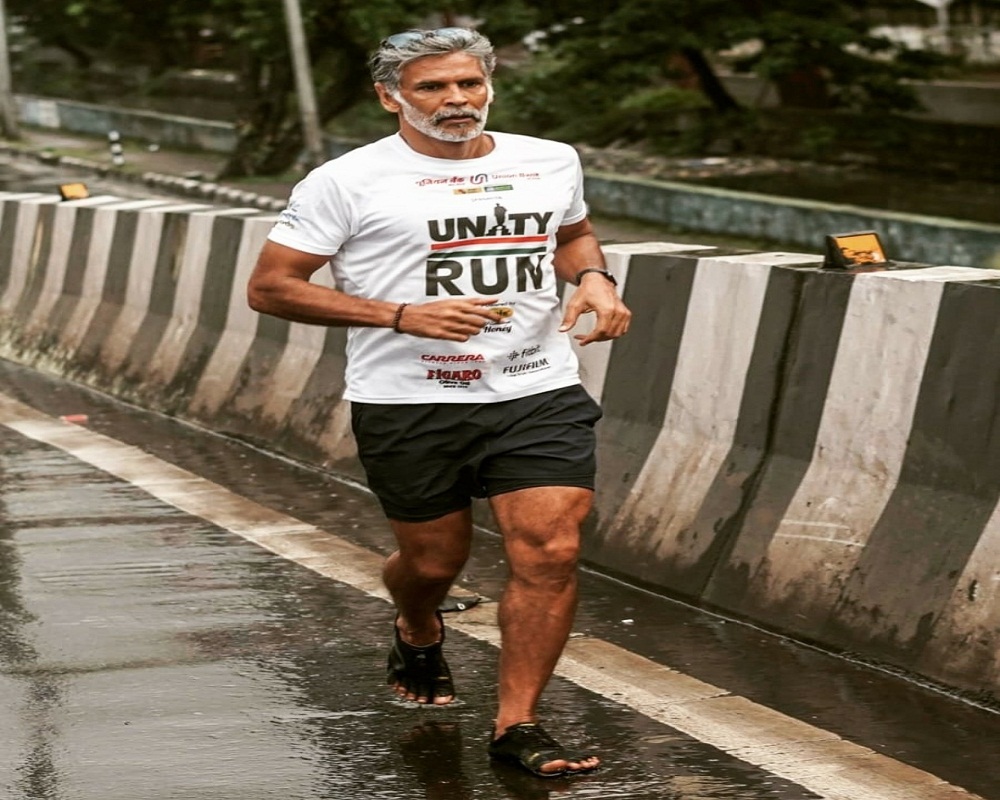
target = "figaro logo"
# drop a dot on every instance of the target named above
(463, 375)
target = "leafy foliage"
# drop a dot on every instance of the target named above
(628, 70)
(623, 73)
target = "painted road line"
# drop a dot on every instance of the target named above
(815, 759)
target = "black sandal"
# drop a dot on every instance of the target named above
(422, 671)
(529, 746)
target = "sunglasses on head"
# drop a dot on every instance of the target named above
(409, 37)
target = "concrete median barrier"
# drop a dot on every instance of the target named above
(809, 449)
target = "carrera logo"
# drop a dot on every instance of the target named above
(463, 358)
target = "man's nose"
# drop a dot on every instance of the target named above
(456, 95)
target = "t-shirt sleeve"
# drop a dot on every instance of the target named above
(577, 208)
(319, 217)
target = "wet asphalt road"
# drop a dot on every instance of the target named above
(146, 653)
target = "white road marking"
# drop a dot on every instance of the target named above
(817, 760)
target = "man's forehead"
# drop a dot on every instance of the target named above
(449, 66)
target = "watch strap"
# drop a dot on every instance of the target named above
(603, 272)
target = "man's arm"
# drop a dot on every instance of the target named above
(577, 249)
(279, 286)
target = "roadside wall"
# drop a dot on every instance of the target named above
(963, 102)
(801, 223)
(815, 451)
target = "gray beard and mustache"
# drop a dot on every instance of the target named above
(429, 124)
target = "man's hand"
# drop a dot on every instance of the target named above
(597, 294)
(455, 320)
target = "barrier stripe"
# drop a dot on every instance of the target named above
(107, 237)
(190, 291)
(779, 423)
(594, 359)
(817, 760)
(22, 249)
(697, 435)
(41, 252)
(635, 397)
(299, 358)
(138, 285)
(962, 640)
(857, 456)
(160, 306)
(219, 377)
(321, 406)
(949, 482)
(111, 295)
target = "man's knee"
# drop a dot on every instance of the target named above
(548, 558)
(434, 568)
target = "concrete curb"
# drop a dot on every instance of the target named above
(181, 186)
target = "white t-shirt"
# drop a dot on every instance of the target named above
(405, 227)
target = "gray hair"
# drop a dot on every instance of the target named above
(398, 50)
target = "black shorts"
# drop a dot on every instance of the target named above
(426, 460)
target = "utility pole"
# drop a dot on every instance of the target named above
(943, 21)
(315, 151)
(8, 111)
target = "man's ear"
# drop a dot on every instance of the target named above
(388, 102)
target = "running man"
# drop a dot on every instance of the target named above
(461, 376)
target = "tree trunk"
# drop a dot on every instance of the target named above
(708, 81)
(268, 128)
(806, 87)
(268, 138)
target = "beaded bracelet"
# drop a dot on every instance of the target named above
(398, 317)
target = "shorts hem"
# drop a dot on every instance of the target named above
(421, 517)
(537, 483)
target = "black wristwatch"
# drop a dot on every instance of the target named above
(604, 272)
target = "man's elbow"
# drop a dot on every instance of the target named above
(259, 298)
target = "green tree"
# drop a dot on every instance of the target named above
(632, 70)
(340, 34)
(648, 69)
(123, 32)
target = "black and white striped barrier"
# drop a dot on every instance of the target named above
(809, 449)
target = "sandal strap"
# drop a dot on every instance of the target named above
(529, 745)
(420, 669)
